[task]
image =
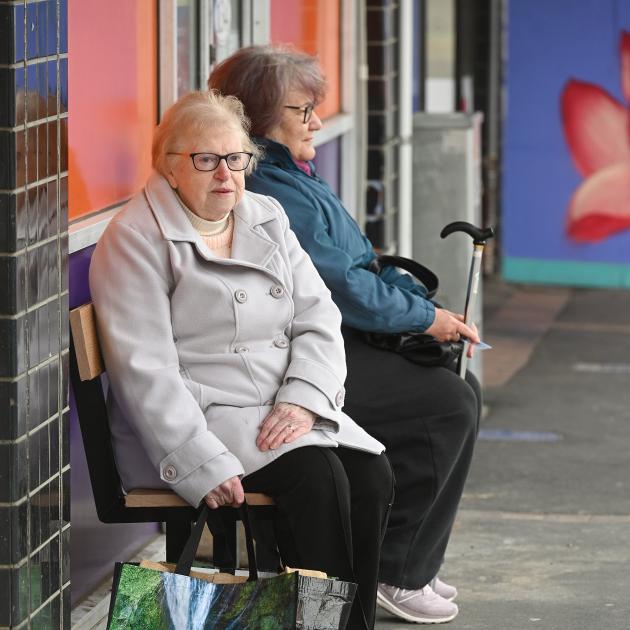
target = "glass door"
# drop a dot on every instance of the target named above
(187, 44)
(227, 28)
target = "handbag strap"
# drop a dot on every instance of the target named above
(422, 273)
(216, 525)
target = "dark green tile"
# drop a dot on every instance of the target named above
(12, 409)
(6, 582)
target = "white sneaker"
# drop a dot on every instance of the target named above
(418, 606)
(443, 589)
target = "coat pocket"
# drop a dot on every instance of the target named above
(237, 428)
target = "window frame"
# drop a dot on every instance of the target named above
(351, 125)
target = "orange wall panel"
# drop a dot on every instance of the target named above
(314, 27)
(112, 85)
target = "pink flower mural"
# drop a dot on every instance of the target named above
(597, 130)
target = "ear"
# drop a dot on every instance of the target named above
(170, 177)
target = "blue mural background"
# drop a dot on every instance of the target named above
(550, 43)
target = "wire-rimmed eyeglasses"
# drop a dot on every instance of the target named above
(238, 161)
(307, 109)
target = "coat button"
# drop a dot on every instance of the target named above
(277, 291)
(170, 472)
(241, 349)
(241, 296)
(340, 397)
(281, 342)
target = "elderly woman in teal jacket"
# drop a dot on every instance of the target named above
(427, 417)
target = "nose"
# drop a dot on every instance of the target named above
(315, 122)
(222, 171)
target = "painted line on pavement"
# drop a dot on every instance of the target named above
(494, 515)
(508, 435)
(602, 368)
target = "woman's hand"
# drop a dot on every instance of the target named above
(449, 326)
(471, 346)
(286, 423)
(230, 492)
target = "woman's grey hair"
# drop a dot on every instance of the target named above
(193, 113)
(262, 77)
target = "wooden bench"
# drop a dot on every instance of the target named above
(138, 505)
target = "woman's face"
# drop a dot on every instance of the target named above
(293, 131)
(209, 194)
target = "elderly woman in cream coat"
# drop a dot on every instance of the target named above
(225, 356)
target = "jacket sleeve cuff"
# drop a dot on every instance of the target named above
(304, 394)
(198, 466)
(429, 315)
(194, 487)
(321, 379)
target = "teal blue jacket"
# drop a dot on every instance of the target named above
(388, 302)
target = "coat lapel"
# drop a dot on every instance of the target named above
(250, 244)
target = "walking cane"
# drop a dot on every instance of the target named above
(479, 237)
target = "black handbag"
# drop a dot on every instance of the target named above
(417, 347)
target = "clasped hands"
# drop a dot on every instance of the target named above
(449, 326)
(284, 424)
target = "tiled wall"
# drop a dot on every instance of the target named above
(34, 452)
(383, 132)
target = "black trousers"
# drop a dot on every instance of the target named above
(332, 509)
(428, 419)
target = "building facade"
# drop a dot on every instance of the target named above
(82, 86)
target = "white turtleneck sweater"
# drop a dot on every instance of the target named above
(216, 234)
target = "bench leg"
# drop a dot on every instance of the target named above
(177, 533)
(224, 551)
(225, 547)
(267, 556)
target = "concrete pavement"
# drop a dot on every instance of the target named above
(542, 540)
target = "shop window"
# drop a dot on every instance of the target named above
(227, 27)
(314, 27)
(112, 100)
(194, 35)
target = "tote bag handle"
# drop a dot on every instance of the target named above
(212, 518)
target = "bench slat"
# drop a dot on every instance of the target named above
(87, 349)
(156, 497)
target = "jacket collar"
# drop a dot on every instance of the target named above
(279, 154)
(249, 244)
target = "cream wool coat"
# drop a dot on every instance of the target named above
(199, 348)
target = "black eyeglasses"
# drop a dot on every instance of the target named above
(238, 161)
(307, 109)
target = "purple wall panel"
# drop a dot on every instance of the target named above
(327, 164)
(78, 277)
